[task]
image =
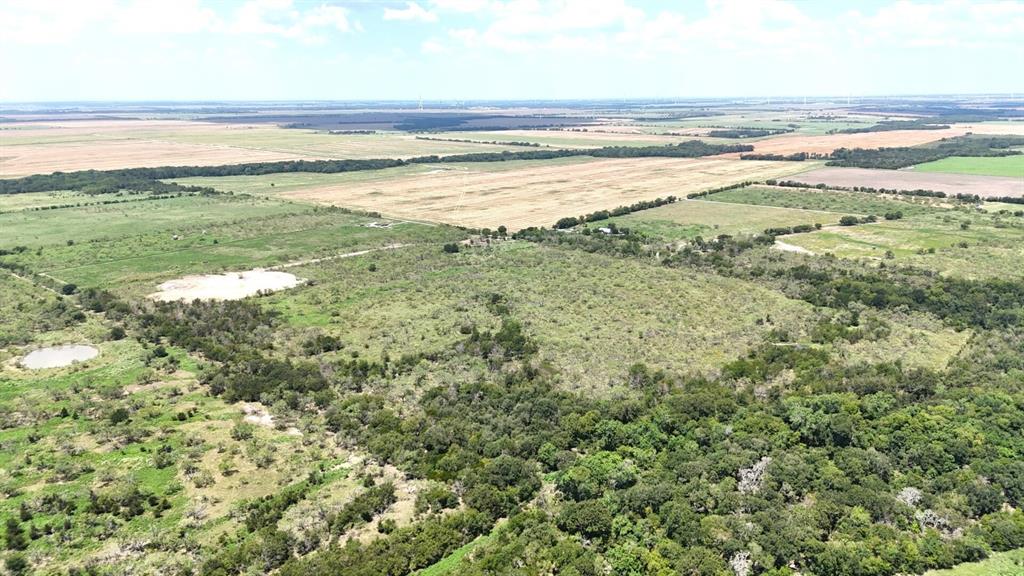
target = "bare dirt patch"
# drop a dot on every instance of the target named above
(541, 193)
(230, 286)
(984, 186)
(779, 245)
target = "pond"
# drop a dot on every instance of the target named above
(57, 356)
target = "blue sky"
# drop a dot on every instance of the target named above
(504, 49)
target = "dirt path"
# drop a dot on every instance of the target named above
(335, 257)
(780, 245)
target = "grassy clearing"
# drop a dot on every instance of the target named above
(956, 243)
(690, 218)
(575, 304)
(450, 564)
(26, 310)
(999, 564)
(914, 340)
(855, 203)
(129, 248)
(98, 222)
(17, 202)
(997, 166)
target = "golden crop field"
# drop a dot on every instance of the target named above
(541, 193)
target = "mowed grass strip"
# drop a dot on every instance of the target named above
(853, 203)
(687, 219)
(961, 244)
(592, 315)
(995, 166)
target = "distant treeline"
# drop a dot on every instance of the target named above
(795, 157)
(150, 179)
(888, 125)
(747, 132)
(870, 190)
(798, 229)
(105, 202)
(704, 193)
(901, 157)
(467, 141)
(351, 132)
(571, 221)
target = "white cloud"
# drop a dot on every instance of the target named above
(160, 17)
(432, 46)
(411, 12)
(34, 22)
(64, 21)
(460, 5)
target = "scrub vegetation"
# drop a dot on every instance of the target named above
(641, 366)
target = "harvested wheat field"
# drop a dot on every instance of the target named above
(43, 147)
(44, 159)
(825, 144)
(540, 194)
(984, 186)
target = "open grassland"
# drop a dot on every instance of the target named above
(133, 260)
(855, 203)
(105, 221)
(593, 316)
(131, 246)
(17, 202)
(984, 186)
(960, 243)
(539, 193)
(998, 564)
(690, 218)
(45, 147)
(1010, 166)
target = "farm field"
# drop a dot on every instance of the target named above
(280, 184)
(687, 219)
(957, 243)
(41, 148)
(984, 186)
(826, 143)
(539, 193)
(1009, 166)
(855, 203)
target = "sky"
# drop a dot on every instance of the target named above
(123, 50)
